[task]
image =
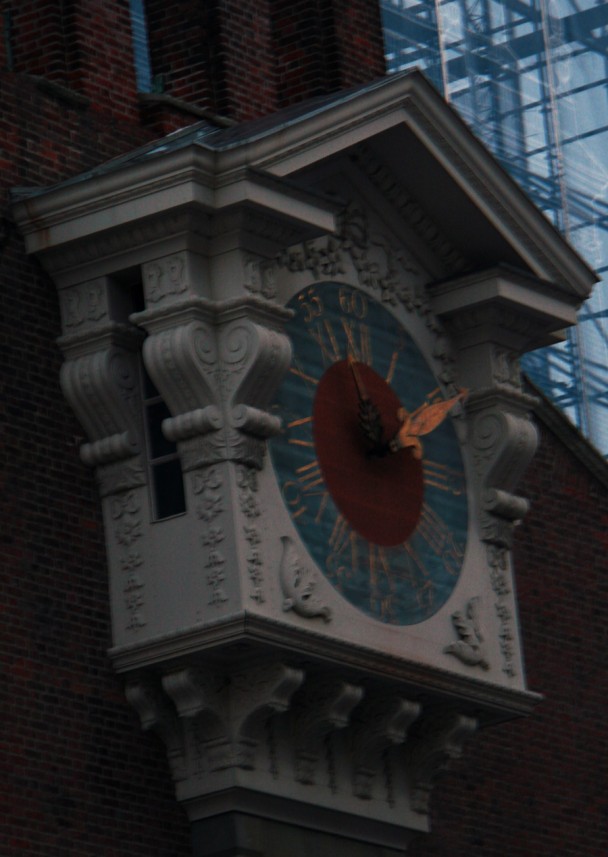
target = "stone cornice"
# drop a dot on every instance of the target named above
(248, 636)
(526, 312)
(181, 179)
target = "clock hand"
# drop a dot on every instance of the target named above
(369, 415)
(422, 421)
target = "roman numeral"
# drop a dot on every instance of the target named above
(310, 477)
(324, 335)
(341, 535)
(443, 477)
(392, 367)
(358, 342)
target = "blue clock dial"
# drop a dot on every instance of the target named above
(379, 502)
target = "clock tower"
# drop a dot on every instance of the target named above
(293, 345)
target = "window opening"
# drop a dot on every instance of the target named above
(164, 466)
(141, 48)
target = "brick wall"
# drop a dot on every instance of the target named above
(247, 58)
(74, 757)
(87, 47)
(73, 754)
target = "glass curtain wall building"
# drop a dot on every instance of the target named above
(530, 77)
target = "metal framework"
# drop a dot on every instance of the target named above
(530, 77)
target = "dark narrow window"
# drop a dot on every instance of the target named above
(141, 50)
(165, 472)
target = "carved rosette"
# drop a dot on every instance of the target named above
(279, 729)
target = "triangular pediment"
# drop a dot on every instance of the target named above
(398, 132)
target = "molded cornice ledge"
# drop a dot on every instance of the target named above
(92, 204)
(508, 307)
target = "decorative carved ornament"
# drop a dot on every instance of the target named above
(470, 647)
(217, 366)
(348, 739)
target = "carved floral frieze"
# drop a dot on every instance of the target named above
(126, 515)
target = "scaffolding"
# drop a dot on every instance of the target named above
(530, 78)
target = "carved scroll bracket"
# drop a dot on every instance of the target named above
(503, 441)
(254, 356)
(100, 380)
(217, 365)
(220, 717)
(378, 725)
(438, 740)
(491, 325)
(277, 729)
(324, 707)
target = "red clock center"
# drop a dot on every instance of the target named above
(380, 496)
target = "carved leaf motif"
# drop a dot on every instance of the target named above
(298, 583)
(470, 648)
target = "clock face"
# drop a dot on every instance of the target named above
(373, 482)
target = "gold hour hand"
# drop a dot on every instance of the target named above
(370, 420)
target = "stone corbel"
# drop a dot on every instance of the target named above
(158, 715)
(438, 740)
(228, 714)
(180, 354)
(217, 366)
(100, 380)
(274, 730)
(254, 355)
(255, 696)
(325, 707)
(493, 317)
(503, 442)
(379, 724)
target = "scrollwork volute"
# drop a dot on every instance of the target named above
(503, 443)
(323, 708)
(100, 380)
(181, 357)
(217, 366)
(379, 724)
(254, 356)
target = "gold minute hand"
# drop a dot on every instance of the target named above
(369, 415)
(361, 390)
